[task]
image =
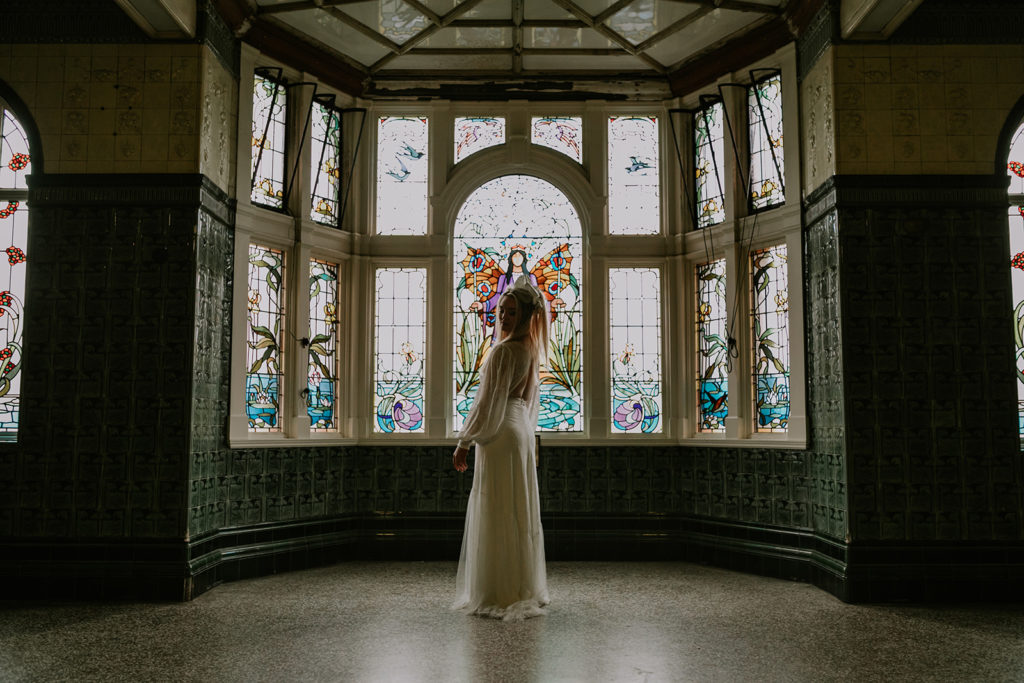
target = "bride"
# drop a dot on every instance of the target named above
(501, 566)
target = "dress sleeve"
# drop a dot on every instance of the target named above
(488, 411)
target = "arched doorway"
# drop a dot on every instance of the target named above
(509, 226)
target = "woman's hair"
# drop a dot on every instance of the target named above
(532, 323)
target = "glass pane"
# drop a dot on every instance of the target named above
(1016, 221)
(264, 374)
(402, 175)
(770, 323)
(709, 146)
(401, 329)
(14, 153)
(1015, 165)
(764, 107)
(474, 133)
(15, 164)
(712, 347)
(511, 226)
(269, 113)
(399, 21)
(322, 374)
(634, 309)
(326, 160)
(561, 133)
(633, 190)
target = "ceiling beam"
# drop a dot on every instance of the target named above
(425, 11)
(615, 8)
(735, 5)
(364, 29)
(517, 36)
(300, 5)
(678, 25)
(425, 33)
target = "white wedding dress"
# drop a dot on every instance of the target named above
(501, 566)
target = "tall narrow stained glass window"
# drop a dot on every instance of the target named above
(474, 133)
(770, 337)
(400, 346)
(15, 164)
(269, 116)
(634, 311)
(634, 206)
(402, 175)
(509, 227)
(561, 133)
(709, 150)
(712, 347)
(326, 164)
(264, 367)
(322, 372)
(1015, 170)
(764, 107)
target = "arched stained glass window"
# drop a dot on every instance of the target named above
(634, 190)
(561, 133)
(1015, 169)
(511, 226)
(269, 118)
(709, 153)
(15, 164)
(764, 107)
(474, 133)
(402, 175)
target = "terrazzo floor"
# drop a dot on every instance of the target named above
(388, 621)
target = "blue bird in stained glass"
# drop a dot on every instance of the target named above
(408, 151)
(400, 174)
(636, 165)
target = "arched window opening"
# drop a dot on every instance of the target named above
(1015, 169)
(15, 165)
(511, 226)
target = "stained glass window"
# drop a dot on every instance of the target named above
(770, 327)
(511, 226)
(764, 107)
(400, 333)
(634, 206)
(712, 347)
(561, 133)
(15, 164)
(634, 299)
(322, 373)
(326, 162)
(1015, 170)
(269, 114)
(264, 368)
(474, 133)
(402, 175)
(709, 148)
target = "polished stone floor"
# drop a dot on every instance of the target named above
(388, 621)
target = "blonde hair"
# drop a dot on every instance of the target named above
(532, 322)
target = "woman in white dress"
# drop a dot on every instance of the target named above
(501, 566)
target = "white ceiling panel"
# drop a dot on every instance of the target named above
(469, 37)
(703, 33)
(545, 9)
(489, 9)
(324, 28)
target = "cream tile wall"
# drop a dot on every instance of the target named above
(817, 124)
(126, 108)
(908, 109)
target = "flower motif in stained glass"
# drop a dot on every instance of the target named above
(321, 373)
(15, 165)
(770, 337)
(402, 175)
(264, 374)
(474, 133)
(326, 164)
(269, 116)
(15, 158)
(634, 205)
(15, 255)
(709, 147)
(635, 326)
(712, 347)
(400, 344)
(11, 207)
(561, 133)
(1015, 163)
(767, 159)
(511, 226)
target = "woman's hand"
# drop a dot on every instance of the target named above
(459, 459)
